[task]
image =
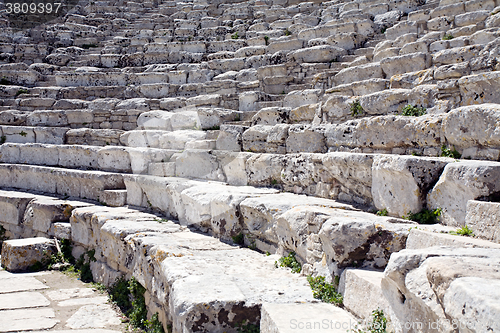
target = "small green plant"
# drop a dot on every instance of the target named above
(414, 153)
(23, 133)
(239, 239)
(246, 327)
(383, 212)
(274, 182)
(3, 138)
(324, 291)
(425, 216)
(287, 32)
(413, 111)
(378, 324)
(289, 261)
(448, 37)
(464, 231)
(383, 30)
(129, 297)
(161, 220)
(21, 91)
(268, 253)
(266, 39)
(356, 108)
(447, 152)
(235, 35)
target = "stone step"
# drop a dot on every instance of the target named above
(20, 254)
(277, 222)
(287, 318)
(113, 159)
(362, 294)
(65, 182)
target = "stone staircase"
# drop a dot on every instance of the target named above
(278, 120)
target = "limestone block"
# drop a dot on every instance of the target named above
(230, 138)
(51, 135)
(346, 41)
(264, 169)
(375, 132)
(41, 213)
(420, 285)
(61, 230)
(451, 9)
(260, 215)
(479, 88)
(387, 18)
(13, 206)
(459, 183)
(18, 134)
(298, 98)
(306, 138)
(469, 18)
(400, 183)
(452, 71)
(115, 159)
(194, 163)
(359, 73)
(471, 126)
(114, 198)
(456, 55)
(178, 139)
(493, 21)
(441, 23)
(38, 154)
(483, 218)
(73, 156)
(287, 318)
(138, 138)
(386, 53)
(20, 254)
(255, 138)
(385, 102)
(271, 116)
(412, 79)
(168, 121)
(420, 239)
(400, 29)
(414, 48)
(363, 294)
(406, 63)
(321, 53)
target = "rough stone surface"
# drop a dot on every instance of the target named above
(20, 254)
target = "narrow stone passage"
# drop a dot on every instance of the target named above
(55, 302)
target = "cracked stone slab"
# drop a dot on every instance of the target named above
(84, 301)
(22, 300)
(10, 284)
(27, 320)
(65, 294)
(94, 316)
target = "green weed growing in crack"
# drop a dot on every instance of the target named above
(413, 111)
(324, 291)
(239, 239)
(246, 327)
(129, 297)
(378, 324)
(289, 261)
(382, 212)
(356, 108)
(464, 231)
(425, 216)
(447, 152)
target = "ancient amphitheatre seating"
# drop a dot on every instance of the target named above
(280, 120)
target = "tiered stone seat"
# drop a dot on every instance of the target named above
(280, 120)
